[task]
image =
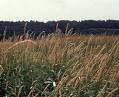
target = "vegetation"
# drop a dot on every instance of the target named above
(79, 65)
(84, 27)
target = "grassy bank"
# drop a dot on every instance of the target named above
(80, 66)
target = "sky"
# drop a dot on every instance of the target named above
(48, 10)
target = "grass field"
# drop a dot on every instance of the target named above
(60, 66)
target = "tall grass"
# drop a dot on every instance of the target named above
(81, 66)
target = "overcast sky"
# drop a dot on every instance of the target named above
(44, 10)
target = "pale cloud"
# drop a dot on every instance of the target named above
(58, 9)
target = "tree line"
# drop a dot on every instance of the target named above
(10, 28)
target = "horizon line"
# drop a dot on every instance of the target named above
(57, 20)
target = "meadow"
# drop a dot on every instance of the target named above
(60, 66)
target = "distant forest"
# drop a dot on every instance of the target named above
(108, 27)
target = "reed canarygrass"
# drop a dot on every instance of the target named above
(81, 66)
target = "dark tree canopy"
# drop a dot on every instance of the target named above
(108, 27)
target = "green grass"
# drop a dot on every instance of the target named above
(81, 66)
